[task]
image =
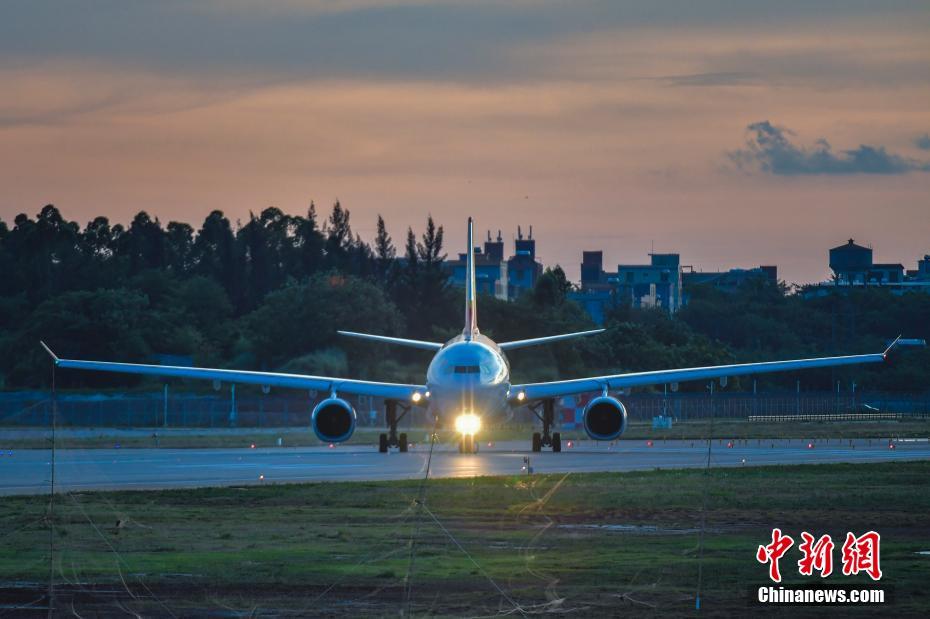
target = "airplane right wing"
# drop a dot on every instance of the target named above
(395, 391)
(538, 391)
(548, 339)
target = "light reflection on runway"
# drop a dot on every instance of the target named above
(27, 471)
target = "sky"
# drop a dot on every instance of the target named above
(734, 133)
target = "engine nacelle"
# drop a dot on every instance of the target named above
(604, 418)
(333, 420)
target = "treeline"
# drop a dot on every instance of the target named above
(271, 292)
(258, 294)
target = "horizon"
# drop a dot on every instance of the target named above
(453, 253)
(734, 135)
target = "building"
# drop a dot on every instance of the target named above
(727, 281)
(490, 268)
(853, 267)
(657, 284)
(522, 268)
(505, 279)
(922, 272)
(593, 276)
(595, 302)
(852, 264)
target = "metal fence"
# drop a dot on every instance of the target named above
(163, 409)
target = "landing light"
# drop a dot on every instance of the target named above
(521, 395)
(467, 423)
(416, 396)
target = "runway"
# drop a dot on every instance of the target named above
(28, 471)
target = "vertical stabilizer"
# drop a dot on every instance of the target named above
(471, 314)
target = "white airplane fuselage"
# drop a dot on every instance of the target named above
(469, 377)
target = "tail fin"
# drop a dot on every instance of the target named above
(471, 309)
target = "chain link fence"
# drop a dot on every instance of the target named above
(225, 409)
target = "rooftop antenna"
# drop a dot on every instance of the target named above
(519, 233)
(500, 239)
(489, 236)
(531, 231)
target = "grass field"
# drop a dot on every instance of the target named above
(91, 438)
(593, 544)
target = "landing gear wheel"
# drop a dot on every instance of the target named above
(556, 442)
(537, 442)
(467, 444)
(382, 443)
(402, 442)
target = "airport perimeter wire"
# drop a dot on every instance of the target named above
(50, 513)
(710, 444)
(418, 503)
(421, 504)
(51, 505)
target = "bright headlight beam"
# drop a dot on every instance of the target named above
(468, 423)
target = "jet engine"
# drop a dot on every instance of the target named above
(333, 420)
(604, 418)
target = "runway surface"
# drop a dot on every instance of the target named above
(28, 471)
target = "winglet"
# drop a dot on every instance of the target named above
(49, 351)
(890, 347)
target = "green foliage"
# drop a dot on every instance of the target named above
(272, 292)
(305, 317)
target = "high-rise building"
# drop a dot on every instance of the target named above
(522, 268)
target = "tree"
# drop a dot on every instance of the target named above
(45, 254)
(302, 318)
(384, 253)
(338, 237)
(552, 287)
(215, 254)
(102, 324)
(144, 243)
(179, 247)
(309, 242)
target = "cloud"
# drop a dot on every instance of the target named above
(923, 141)
(725, 78)
(770, 149)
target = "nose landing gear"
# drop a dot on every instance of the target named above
(392, 438)
(468, 444)
(547, 417)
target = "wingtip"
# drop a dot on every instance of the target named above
(891, 347)
(49, 351)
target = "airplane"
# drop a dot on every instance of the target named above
(469, 379)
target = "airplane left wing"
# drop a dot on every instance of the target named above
(538, 391)
(386, 339)
(395, 391)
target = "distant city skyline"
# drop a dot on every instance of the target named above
(734, 134)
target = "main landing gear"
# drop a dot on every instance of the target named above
(468, 444)
(392, 438)
(547, 417)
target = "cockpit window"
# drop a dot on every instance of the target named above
(467, 369)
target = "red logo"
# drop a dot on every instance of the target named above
(773, 552)
(860, 554)
(817, 556)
